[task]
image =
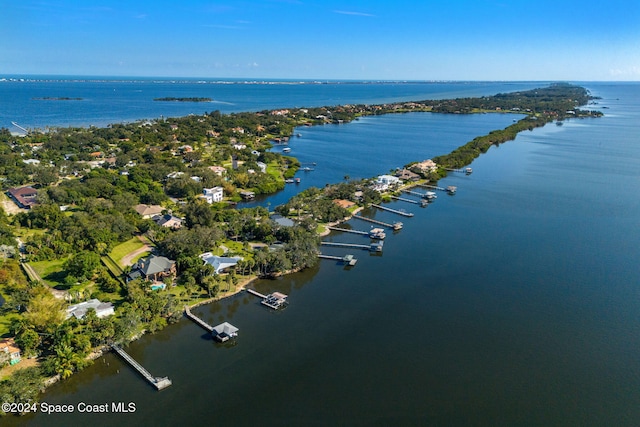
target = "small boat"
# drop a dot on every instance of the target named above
(286, 150)
(297, 180)
(299, 135)
(452, 189)
(307, 169)
(468, 171)
(289, 181)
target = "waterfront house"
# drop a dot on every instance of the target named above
(148, 211)
(24, 197)
(10, 350)
(154, 268)
(426, 166)
(219, 263)
(213, 195)
(388, 180)
(407, 175)
(102, 309)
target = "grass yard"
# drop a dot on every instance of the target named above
(51, 272)
(124, 249)
(5, 323)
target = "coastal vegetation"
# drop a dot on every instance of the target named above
(81, 237)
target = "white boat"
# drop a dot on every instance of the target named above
(286, 150)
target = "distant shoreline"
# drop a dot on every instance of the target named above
(192, 99)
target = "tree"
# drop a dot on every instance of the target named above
(22, 387)
(45, 312)
(82, 264)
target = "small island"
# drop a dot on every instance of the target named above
(192, 99)
(56, 98)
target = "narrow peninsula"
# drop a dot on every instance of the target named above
(107, 233)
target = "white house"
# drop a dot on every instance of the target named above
(388, 180)
(218, 262)
(262, 166)
(103, 309)
(213, 195)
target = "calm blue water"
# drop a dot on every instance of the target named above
(514, 302)
(106, 101)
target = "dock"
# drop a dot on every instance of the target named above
(347, 259)
(373, 247)
(374, 233)
(198, 320)
(450, 189)
(158, 382)
(402, 199)
(466, 171)
(395, 225)
(275, 300)
(348, 230)
(224, 332)
(395, 211)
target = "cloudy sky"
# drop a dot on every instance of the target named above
(329, 39)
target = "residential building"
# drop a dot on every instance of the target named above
(11, 351)
(24, 197)
(213, 195)
(148, 211)
(168, 221)
(103, 309)
(153, 268)
(219, 263)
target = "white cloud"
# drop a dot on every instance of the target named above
(346, 12)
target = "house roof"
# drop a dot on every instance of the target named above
(225, 328)
(218, 262)
(168, 220)
(154, 264)
(80, 310)
(8, 345)
(24, 196)
(146, 210)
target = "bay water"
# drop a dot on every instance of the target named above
(514, 302)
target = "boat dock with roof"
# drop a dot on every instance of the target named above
(275, 300)
(347, 259)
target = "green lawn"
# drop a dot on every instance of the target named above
(5, 323)
(51, 272)
(125, 249)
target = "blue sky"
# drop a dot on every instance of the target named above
(307, 39)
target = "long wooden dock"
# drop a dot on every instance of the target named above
(158, 382)
(395, 225)
(347, 230)
(347, 259)
(450, 189)
(402, 199)
(466, 171)
(433, 187)
(198, 320)
(346, 245)
(395, 211)
(256, 293)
